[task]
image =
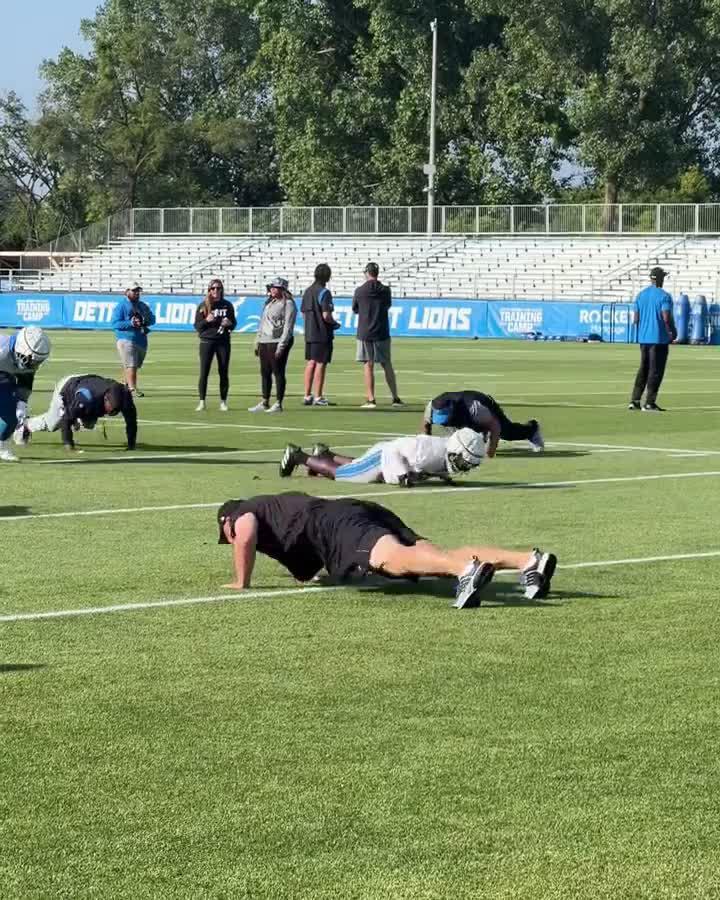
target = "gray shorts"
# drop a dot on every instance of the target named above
(373, 351)
(132, 355)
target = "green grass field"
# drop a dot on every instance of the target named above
(365, 743)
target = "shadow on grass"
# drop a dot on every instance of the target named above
(20, 667)
(8, 512)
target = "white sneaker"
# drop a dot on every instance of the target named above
(22, 435)
(223, 406)
(321, 401)
(275, 408)
(259, 407)
(6, 454)
(536, 439)
(201, 407)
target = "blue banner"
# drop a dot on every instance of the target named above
(409, 317)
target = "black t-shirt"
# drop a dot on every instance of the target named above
(371, 301)
(84, 400)
(317, 300)
(210, 330)
(468, 409)
(306, 534)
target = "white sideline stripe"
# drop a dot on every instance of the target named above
(269, 594)
(130, 457)
(361, 494)
(682, 450)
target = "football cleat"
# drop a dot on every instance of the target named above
(536, 577)
(320, 449)
(471, 581)
(289, 461)
(536, 439)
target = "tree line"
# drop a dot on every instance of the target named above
(326, 102)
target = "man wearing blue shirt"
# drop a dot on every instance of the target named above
(655, 331)
(131, 321)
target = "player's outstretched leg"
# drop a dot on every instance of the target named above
(473, 566)
(295, 456)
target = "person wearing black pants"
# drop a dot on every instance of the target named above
(214, 321)
(656, 331)
(274, 342)
(481, 412)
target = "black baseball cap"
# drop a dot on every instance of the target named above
(658, 272)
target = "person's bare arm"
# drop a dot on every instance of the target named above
(667, 317)
(493, 438)
(244, 550)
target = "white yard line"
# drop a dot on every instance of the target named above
(290, 592)
(359, 495)
(143, 457)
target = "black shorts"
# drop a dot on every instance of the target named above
(319, 351)
(344, 533)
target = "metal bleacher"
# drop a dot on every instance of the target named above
(526, 265)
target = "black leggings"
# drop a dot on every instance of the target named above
(208, 349)
(272, 364)
(653, 359)
(509, 430)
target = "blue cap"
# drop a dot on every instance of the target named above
(440, 416)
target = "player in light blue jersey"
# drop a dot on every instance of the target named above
(21, 355)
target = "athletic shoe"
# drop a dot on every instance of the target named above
(289, 461)
(472, 580)
(652, 407)
(634, 404)
(370, 404)
(201, 407)
(136, 392)
(321, 401)
(397, 402)
(319, 449)
(536, 577)
(223, 406)
(275, 408)
(308, 401)
(22, 435)
(536, 439)
(6, 454)
(259, 407)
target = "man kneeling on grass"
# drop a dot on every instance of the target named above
(354, 537)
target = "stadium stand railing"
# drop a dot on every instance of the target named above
(574, 252)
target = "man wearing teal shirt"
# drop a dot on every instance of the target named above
(655, 331)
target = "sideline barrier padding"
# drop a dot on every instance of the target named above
(409, 317)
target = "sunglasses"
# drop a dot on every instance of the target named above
(215, 287)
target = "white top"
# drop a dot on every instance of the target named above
(421, 454)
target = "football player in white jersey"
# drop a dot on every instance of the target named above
(404, 461)
(21, 355)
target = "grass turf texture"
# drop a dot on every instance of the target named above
(368, 743)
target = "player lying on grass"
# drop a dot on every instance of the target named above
(405, 461)
(354, 537)
(79, 401)
(481, 412)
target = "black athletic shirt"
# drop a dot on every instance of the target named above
(468, 409)
(306, 534)
(371, 301)
(208, 330)
(317, 300)
(84, 399)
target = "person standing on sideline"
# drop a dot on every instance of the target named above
(371, 302)
(317, 309)
(132, 320)
(273, 343)
(656, 331)
(214, 320)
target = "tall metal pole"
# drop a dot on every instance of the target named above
(430, 168)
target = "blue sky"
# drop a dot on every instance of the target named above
(34, 30)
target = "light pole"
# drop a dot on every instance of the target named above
(429, 169)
